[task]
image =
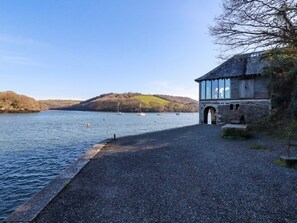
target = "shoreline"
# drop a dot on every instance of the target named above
(190, 164)
(22, 179)
(29, 210)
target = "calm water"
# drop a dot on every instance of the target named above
(34, 148)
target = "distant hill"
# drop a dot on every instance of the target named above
(11, 102)
(130, 102)
(57, 104)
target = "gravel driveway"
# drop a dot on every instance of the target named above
(188, 174)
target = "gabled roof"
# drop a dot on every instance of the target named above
(238, 65)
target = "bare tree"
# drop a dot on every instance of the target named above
(256, 24)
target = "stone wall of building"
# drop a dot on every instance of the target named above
(253, 110)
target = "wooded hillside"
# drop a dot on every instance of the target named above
(11, 102)
(57, 104)
(131, 102)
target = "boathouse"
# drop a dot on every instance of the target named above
(235, 91)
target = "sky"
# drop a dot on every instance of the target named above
(79, 49)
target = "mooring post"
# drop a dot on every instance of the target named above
(114, 137)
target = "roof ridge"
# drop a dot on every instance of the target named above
(237, 65)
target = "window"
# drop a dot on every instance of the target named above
(221, 88)
(208, 90)
(214, 89)
(202, 89)
(227, 88)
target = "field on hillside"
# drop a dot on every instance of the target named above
(151, 98)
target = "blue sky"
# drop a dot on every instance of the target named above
(78, 49)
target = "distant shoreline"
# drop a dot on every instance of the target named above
(126, 102)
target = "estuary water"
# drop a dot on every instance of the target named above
(36, 147)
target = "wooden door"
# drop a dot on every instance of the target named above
(246, 88)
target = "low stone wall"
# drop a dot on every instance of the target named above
(228, 110)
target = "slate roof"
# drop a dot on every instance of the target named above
(238, 65)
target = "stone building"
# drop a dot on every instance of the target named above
(235, 90)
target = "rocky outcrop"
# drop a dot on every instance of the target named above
(11, 102)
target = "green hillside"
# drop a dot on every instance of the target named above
(131, 102)
(146, 99)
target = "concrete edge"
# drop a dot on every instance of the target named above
(28, 211)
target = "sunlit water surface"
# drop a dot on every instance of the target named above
(35, 147)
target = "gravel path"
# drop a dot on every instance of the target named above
(189, 174)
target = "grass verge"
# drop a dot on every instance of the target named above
(259, 147)
(282, 163)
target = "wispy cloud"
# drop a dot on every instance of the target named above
(18, 40)
(11, 59)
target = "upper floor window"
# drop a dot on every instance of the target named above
(215, 89)
(221, 88)
(227, 88)
(208, 90)
(202, 89)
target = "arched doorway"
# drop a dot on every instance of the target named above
(210, 116)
